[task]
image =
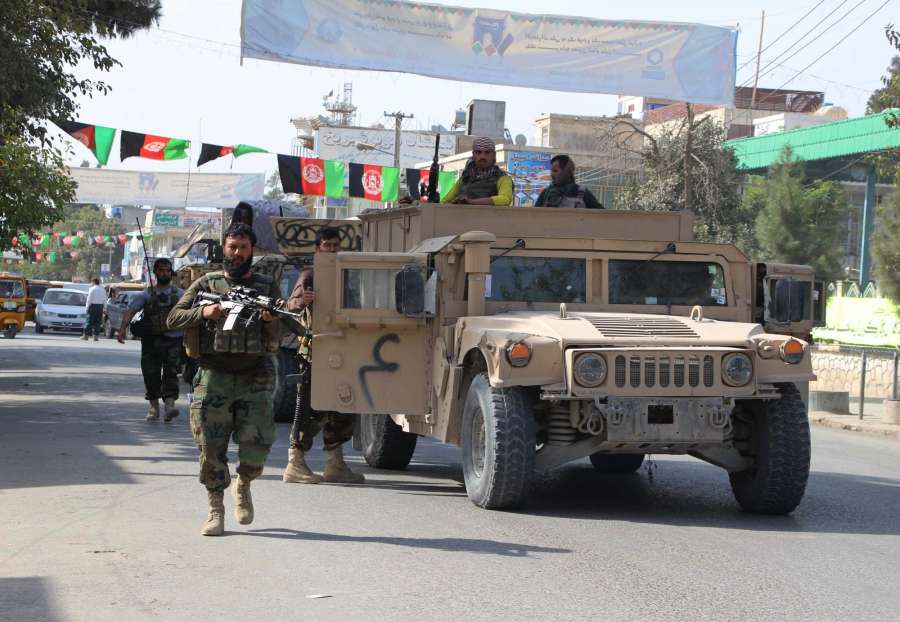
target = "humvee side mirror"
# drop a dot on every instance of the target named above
(788, 301)
(409, 288)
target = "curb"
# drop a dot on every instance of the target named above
(878, 429)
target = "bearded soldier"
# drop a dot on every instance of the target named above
(482, 182)
(233, 388)
(161, 348)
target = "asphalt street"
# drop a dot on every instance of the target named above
(100, 514)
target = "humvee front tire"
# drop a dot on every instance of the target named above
(780, 441)
(617, 464)
(498, 445)
(385, 444)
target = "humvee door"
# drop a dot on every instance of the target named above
(370, 333)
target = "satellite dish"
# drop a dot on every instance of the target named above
(521, 141)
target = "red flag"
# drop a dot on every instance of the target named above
(312, 175)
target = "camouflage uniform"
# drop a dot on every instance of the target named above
(233, 388)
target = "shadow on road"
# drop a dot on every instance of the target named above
(454, 545)
(698, 495)
(26, 598)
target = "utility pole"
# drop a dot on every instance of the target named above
(688, 144)
(762, 26)
(398, 121)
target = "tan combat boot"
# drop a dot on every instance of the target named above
(297, 472)
(171, 411)
(153, 410)
(243, 502)
(337, 471)
(84, 337)
(215, 521)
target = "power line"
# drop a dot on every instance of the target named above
(833, 24)
(769, 63)
(826, 52)
(787, 30)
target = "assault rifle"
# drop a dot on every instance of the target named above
(433, 174)
(245, 304)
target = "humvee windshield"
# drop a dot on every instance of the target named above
(639, 282)
(537, 279)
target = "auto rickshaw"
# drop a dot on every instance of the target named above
(35, 289)
(12, 304)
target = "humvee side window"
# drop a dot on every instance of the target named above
(369, 288)
(537, 279)
(640, 282)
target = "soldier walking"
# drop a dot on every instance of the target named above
(233, 387)
(161, 348)
(336, 428)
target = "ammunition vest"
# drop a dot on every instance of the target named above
(157, 311)
(245, 337)
(479, 188)
(577, 201)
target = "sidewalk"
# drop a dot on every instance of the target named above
(871, 422)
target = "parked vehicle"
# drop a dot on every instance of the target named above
(12, 304)
(34, 291)
(114, 310)
(61, 309)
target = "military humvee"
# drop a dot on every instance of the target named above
(532, 337)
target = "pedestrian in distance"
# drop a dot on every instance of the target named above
(564, 191)
(336, 428)
(233, 387)
(482, 182)
(160, 347)
(93, 308)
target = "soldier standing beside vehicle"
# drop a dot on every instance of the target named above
(564, 192)
(161, 348)
(233, 387)
(336, 428)
(93, 306)
(482, 182)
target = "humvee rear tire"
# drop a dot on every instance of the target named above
(284, 395)
(780, 442)
(385, 444)
(498, 445)
(617, 464)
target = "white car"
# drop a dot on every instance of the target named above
(61, 309)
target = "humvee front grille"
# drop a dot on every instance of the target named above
(626, 326)
(665, 370)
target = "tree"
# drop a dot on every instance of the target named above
(41, 41)
(801, 222)
(273, 190)
(886, 247)
(687, 167)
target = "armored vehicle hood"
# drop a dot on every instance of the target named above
(618, 329)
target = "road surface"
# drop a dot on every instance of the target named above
(100, 514)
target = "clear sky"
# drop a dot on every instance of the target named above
(184, 79)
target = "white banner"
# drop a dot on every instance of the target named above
(688, 62)
(100, 185)
(340, 143)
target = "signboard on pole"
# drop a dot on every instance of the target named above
(340, 143)
(104, 186)
(684, 62)
(530, 171)
(104, 271)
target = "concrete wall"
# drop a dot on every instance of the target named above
(838, 369)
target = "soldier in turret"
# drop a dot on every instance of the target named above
(233, 388)
(482, 182)
(161, 349)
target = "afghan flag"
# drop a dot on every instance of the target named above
(138, 145)
(417, 182)
(373, 182)
(311, 176)
(97, 138)
(209, 152)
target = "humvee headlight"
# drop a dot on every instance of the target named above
(518, 354)
(737, 369)
(791, 351)
(590, 370)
